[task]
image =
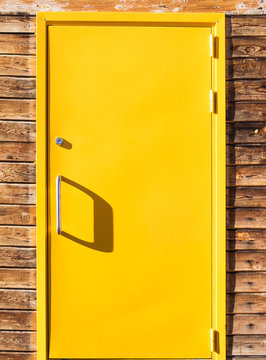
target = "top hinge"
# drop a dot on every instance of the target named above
(213, 46)
(214, 341)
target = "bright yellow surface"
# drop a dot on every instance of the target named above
(131, 275)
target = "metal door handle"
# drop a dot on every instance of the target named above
(58, 204)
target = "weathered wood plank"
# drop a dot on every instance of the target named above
(244, 69)
(246, 155)
(20, 44)
(245, 324)
(246, 358)
(246, 218)
(21, 65)
(17, 215)
(17, 87)
(18, 341)
(244, 196)
(17, 257)
(17, 194)
(247, 281)
(246, 175)
(18, 278)
(20, 131)
(17, 24)
(17, 320)
(18, 355)
(17, 151)
(17, 236)
(18, 299)
(246, 261)
(246, 345)
(246, 112)
(245, 239)
(245, 46)
(243, 133)
(229, 6)
(245, 25)
(247, 90)
(246, 303)
(18, 109)
(16, 173)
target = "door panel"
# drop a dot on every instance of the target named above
(130, 275)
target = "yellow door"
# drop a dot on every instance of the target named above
(129, 191)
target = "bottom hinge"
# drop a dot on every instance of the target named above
(213, 101)
(214, 341)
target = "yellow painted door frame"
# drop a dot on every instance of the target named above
(216, 24)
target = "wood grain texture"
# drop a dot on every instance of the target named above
(17, 215)
(17, 193)
(17, 24)
(241, 68)
(245, 261)
(17, 151)
(245, 196)
(246, 155)
(246, 281)
(246, 239)
(243, 133)
(19, 131)
(244, 324)
(18, 299)
(18, 341)
(246, 175)
(242, 112)
(17, 320)
(17, 257)
(17, 87)
(247, 358)
(17, 278)
(20, 44)
(18, 65)
(245, 46)
(17, 173)
(246, 345)
(250, 303)
(247, 90)
(245, 26)
(253, 218)
(17, 236)
(229, 6)
(18, 109)
(18, 355)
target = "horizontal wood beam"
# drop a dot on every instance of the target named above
(18, 236)
(17, 299)
(246, 281)
(17, 320)
(246, 303)
(246, 239)
(16, 172)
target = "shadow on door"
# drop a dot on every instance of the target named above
(103, 221)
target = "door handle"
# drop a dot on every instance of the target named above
(58, 204)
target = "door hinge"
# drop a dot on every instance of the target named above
(214, 341)
(213, 46)
(213, 101)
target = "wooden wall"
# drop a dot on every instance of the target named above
(246, 180)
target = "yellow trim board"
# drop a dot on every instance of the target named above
(217, 23)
